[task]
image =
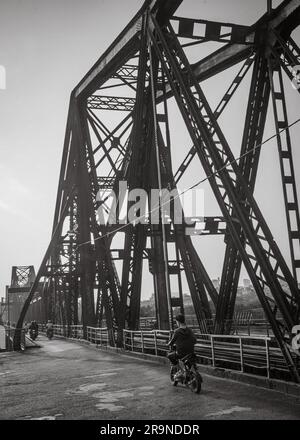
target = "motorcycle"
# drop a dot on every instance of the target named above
(49, 333)
(33, 334)
(186, 373)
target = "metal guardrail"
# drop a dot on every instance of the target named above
(249, 354)
(96, 335)
(145, 341)
(68, 331)
(101, 336)
(238, 352)
(75, 331)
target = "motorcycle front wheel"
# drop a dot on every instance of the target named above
(173, 371)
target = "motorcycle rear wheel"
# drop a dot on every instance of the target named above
(195, 381)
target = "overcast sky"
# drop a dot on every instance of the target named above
(46, 47)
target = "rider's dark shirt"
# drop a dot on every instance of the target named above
(184, 339)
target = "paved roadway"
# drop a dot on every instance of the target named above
(69, 380)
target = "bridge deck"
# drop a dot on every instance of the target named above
(67, 380)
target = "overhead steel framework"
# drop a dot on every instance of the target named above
(145, 68)
(22, 278)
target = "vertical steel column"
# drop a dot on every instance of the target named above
(286, 167)
(163, 118)
(253, 133)
(135, 236)
(85, 213)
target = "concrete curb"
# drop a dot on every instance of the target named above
(287, 388)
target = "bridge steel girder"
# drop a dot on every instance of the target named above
(284, 18)
(287, 167)
(137, 177)
(215, 154)
(80, 263)
(253, 134)
(199, 283)
(125, 45)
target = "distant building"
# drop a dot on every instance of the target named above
(150, 302)
(246, 283)
(216, 284)
(187, 299)
(241, 291)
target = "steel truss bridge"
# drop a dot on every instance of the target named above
(145, 69)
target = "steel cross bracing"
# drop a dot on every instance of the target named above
(197, 277)
(132, 82)
(287, 52)
(111, 103)
(22, 276)
(218, 111)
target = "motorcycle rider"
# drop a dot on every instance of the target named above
(33, 328)
(49, 325)
(184, 340)
(49, 328)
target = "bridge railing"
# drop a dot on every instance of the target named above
(75, 331)
(250, 354)
(101, 336)
(68, 331)
(244, 353)
(154, 341)
(237, 352)
(96, 335)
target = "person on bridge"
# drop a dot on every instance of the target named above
(49, 329)
(34, 326)
(33, 330)
(49, 325)
(183, 339)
